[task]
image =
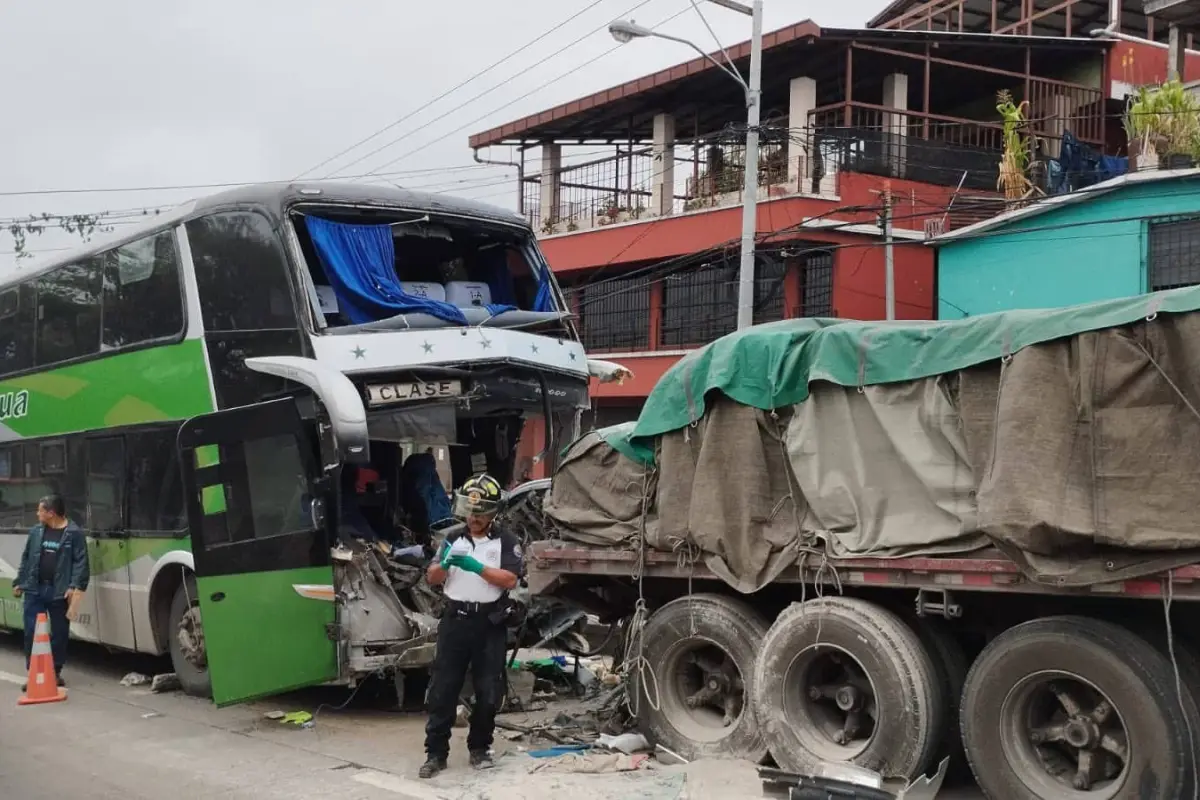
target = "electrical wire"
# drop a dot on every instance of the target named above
(453, 89)
(530, 93)
(488, 91)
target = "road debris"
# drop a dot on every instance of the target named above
(135, 679)
(166, 682)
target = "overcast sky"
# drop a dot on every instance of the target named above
(147, 93)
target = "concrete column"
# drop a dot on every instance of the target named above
(1061, 110)
(801, 147)
(1176, 53)
(895, 126)
(662, 183)
(550, 177)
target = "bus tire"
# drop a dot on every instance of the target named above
(692, 684)
(847, 681)
(193, 678)
(1045, 692)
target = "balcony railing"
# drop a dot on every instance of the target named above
(596, 192)
(597, 189)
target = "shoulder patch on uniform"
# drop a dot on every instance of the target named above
(516, 548)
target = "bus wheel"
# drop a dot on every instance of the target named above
(1072, 707)
(846, 681)
(692, 679)
(185, 635)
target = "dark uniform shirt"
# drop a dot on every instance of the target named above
(48, 560)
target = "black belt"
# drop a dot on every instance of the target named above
(462, 607)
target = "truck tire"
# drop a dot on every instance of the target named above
(1049, 695)
(693, 687)
(951, 666)
(843, 680)
(190, 663)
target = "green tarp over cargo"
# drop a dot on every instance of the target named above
(771, 366)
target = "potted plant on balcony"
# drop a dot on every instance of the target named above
(1163, 126)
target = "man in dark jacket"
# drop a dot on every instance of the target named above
(53, 568)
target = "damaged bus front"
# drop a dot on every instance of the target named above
(430, 332)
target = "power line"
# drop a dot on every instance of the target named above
(533, 91)
(452, 90)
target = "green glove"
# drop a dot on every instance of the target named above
(468, 563)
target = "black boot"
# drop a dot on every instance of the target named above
(431, 767)
(482, 759)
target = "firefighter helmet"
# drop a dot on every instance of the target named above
(480, 495)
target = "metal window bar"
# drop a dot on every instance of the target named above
(615, 315)
(1174, 254)
(700, 305)
(816, 285)
(769, 275)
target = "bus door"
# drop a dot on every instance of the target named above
(261, 548)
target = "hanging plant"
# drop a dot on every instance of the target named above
(1014, 163)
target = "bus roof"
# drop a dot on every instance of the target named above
(276, 198)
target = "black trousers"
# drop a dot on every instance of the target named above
(41, 600)
(465, 641)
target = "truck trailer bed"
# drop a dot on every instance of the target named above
(987, 571)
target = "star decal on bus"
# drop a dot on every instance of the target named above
(427, 347)
(358, 352)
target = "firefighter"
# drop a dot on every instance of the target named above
(478, 567)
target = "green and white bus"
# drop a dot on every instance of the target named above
(194, 389)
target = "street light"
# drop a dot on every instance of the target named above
(624, 32)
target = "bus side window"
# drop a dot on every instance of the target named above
(68, 313)
(143, 299)
(155, 486)
(106, 484)
(12, 490)
(16, 329)
(241, 273)
(39, 482)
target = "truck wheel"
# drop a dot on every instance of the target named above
(693, 684)
(185, 637)
(843, 680)
(1072, 707)
(951, 666)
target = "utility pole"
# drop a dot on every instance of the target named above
(625, 31)
(889, 270)
(745, 313)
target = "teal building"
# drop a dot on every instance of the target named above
(1133, 234)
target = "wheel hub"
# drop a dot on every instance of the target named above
(1082, 733)
(848, 698)
(841, 698)
(1074, 736)
(191, 638)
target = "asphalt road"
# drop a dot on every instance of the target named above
(108, 741)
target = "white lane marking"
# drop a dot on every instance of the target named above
(10, 678)
(402, 786)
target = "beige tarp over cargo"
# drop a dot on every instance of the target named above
(1078, 457)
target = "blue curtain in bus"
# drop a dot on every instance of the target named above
(359, 261)
(545, 296)
(498, 278)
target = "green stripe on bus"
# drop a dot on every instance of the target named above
(169, 382)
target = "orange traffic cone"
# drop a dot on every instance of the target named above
(43, 683)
